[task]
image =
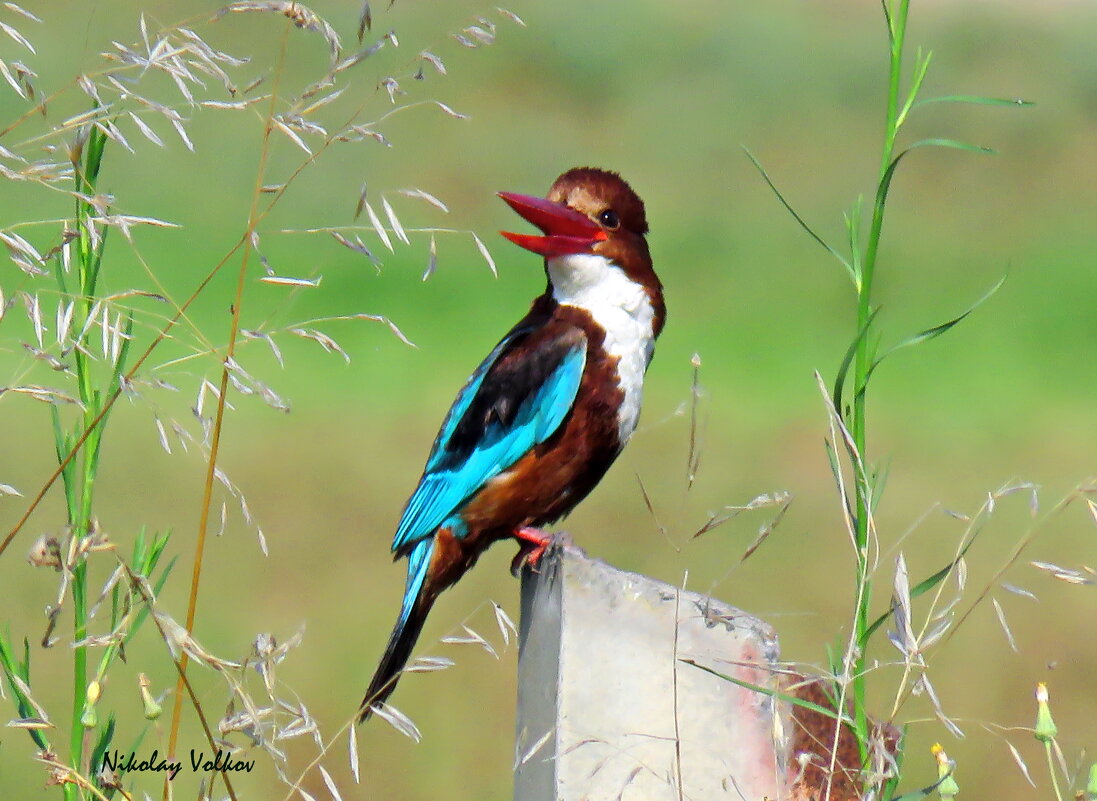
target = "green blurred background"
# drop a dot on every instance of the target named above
(666, 93)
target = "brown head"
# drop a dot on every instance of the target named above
(603, 196)
(590, 211)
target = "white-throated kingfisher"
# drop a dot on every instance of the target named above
(544, 416)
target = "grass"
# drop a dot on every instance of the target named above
(79, 265)
(98, 380)
(1006, 395)
(883, 755)
(848, 401)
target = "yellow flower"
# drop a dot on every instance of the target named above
(946, 784)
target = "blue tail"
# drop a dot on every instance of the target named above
(413, 614)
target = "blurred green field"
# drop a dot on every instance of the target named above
(667, 94)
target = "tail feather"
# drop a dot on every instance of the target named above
(413, 614)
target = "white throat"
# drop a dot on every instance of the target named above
(620, 306)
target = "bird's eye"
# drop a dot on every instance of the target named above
(609, 218)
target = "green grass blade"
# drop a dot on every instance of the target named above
(788, 207)
(93, 156)
(936, 331)
(921, 67)
(822, 710)
(63, 445)
(139, 548)
(59, 274)
(885, 179)
(976, 99)
(836, 470)
(955, 144)
(879, 482)
(922, 793)
(114, 606)
(143, 612)
(159, 584)
(155, 552)
(834, 662)
(847, 361)
(102, 743)
(6, 659)
(97, 260)
(120, 365)
(853, 229)
(21, 670)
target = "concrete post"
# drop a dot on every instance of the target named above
(607, 711)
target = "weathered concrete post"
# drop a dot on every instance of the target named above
(607, 711)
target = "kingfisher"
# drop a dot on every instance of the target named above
(544, 416)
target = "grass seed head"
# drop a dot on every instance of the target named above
(45, 552)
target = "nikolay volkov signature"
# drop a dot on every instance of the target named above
(223, 762)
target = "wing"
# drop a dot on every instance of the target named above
(515, 400)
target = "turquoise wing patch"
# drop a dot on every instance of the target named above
(450, 479)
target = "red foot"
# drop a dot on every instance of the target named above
(532, 543)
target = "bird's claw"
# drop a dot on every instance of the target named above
(532, 544)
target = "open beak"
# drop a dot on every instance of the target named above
(566, 231)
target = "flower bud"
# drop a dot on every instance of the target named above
(89, 719)
(1045, 730)
(152, 709)
(946, 768)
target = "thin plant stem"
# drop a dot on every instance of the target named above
(80, 498)
(207, 493)
(864, 483)
(150, 602)
(76, 447)
(79, 670)
(1051, 770)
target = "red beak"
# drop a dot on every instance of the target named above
(566, 231)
